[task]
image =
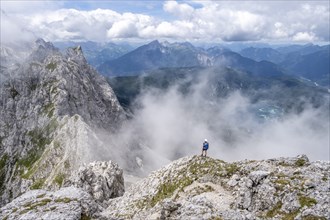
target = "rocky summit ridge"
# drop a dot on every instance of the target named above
(196, 187)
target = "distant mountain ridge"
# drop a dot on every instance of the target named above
(283, 91)
(307, 61)
(156, 55)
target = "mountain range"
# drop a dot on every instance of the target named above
(279, 93)
(310, 61)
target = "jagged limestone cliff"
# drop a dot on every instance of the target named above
(50, 104)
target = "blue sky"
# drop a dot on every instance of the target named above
(221, 21)
(144, 7)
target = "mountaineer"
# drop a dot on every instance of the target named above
(205, 147)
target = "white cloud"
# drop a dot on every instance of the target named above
(181, 10)
(12, 30)
(228, 21)
(304, 36)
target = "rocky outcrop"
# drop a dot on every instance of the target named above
(66, 203)
(205, 188)
(102, 180)
(50, 106)
(83, 196)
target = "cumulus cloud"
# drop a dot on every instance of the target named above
(181, 10)
(304, 36)
(211, 20)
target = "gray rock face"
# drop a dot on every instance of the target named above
(102, 180)
(66, 203)
(50, 105)
(205, 188)
(85, 196)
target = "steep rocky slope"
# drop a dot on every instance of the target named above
(50, 105)
(206, 188)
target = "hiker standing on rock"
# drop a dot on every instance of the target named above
(205, 147)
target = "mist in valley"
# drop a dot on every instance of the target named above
(168, 124)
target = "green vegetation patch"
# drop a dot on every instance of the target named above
(39, 141)
(300, 162)
(207, 166)
(63, 200)
(3, 162)
(38, 183)
(275, 210)
(51, 127)
(167, 189)
(307, 201)
(284, 164)
(290, 216)
(40, 203)
(41, 195)
(40, 137)
(59, 179)
(49, 109)
(231, 169)
(85, 217)
(51, 66)
(24, 211)
(313, 217)
(281, 183)
(29, 206)
(325, 178)
(216, 218)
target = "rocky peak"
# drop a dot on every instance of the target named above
(41, 43)
(75, 54)
(154, 43)
(49, 109)
(41, 50)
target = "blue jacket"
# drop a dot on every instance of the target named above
(205, 145)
